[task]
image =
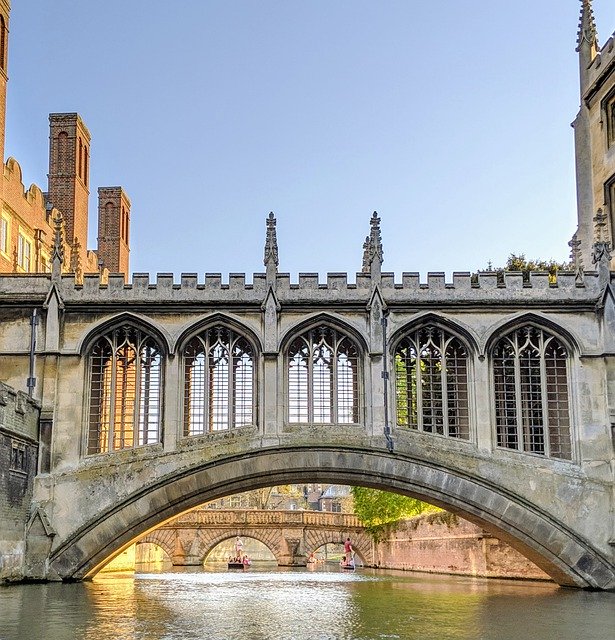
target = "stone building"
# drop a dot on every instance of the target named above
(27, 216)
(491, 396)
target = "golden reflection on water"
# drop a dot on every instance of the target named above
(301, 605)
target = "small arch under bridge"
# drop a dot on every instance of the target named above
(290, 535)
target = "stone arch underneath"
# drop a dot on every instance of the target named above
(212, 538)
(361, 542)
(567, 557)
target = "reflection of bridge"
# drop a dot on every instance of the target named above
(290, 535)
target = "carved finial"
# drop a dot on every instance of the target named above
(577, 259)
(75, 258)
(601, 254)
(587, 28)
(366, 258)
(373, 255)
(271, 249)
(57, 259)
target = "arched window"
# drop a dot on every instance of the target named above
(62, 159)
(219, 382)
(323, 380)
(431, 383)
(125, 388)
(530, 369)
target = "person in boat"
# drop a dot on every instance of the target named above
(348, 550)
(246, 561)
(238, 547)
(311, 559)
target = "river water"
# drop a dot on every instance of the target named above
(325, 604)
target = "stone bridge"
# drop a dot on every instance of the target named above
(290, 535)
(492, 397)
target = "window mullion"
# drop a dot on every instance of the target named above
(112, 392)
(443, 383)
(518, 398)
(544, 398)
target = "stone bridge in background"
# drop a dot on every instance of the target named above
(290, 535)
(490, 396)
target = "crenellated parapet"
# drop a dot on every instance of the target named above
(337, 288)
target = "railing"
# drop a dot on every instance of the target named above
(259, 518)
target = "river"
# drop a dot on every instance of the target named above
(325, 604)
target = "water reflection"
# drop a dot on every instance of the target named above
(298, 604)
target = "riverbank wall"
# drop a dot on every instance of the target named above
(442, 542)
(19, 425)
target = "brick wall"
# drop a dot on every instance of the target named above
(444, 543)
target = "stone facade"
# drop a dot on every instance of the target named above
(491, 396)
(27, 229)
(19, 423)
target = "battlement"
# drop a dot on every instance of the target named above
(464, 288)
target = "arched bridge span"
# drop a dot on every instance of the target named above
(547, 534)
(290, 535)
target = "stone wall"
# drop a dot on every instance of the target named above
(444, 543)
(18, 463)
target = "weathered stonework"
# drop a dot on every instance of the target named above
(90, 502)
(19, 419)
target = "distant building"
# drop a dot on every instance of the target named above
(29, 218)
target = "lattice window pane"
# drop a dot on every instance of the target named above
(457, 391)
(218, 388)
(431, 383)
(505, 396)
(323, 380)
(531, 393)
(298, 382)
(150, 386)
(557, 401)
(100, 397)
(218, 382)
(125, 387)
(243, 376)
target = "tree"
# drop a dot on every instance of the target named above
(380, 510)
(518, 262)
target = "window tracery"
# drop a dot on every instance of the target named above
(323, 381)
(530, 368)
(125, 391)
(431, 383)
(218, 382)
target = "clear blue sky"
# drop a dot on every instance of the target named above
(450, 118)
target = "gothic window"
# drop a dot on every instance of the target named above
(218, 382)
(610, 120)
(431, 383)
(62, 159)
(530, 369)
(323, 380)
(125, 390)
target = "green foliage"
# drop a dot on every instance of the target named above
(380, 510)
(518, 262)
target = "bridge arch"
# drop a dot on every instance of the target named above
(272, 540)
(361, 543)
(556, 548)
